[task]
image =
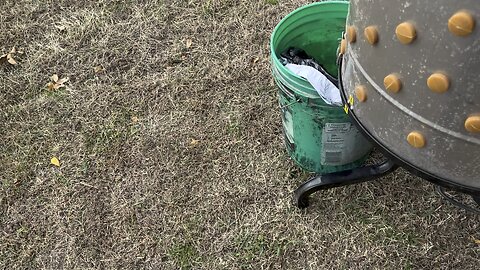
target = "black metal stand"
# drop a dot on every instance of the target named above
(338, 179)
(476, 199)
(441, 190)
(371, 172)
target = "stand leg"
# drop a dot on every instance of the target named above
(476, 199)
(339, 179)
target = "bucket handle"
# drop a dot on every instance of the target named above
(287, 92)
(285, 89)
(289, 104)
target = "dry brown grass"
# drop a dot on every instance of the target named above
(138, 194)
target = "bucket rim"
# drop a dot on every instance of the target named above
(275, 61)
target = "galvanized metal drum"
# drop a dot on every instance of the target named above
(410, 74)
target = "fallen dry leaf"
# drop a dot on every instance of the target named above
(11, 60)
(8, 57)
(50, 85)
(55, 161)
(62, 81)
(189, 43)
(194, 143)
(98, 69)
(476, 241)
(56, 83)
(134, 119)
(54, 78)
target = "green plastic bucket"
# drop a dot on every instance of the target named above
(319, 137)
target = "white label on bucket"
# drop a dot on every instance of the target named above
(342, 144)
